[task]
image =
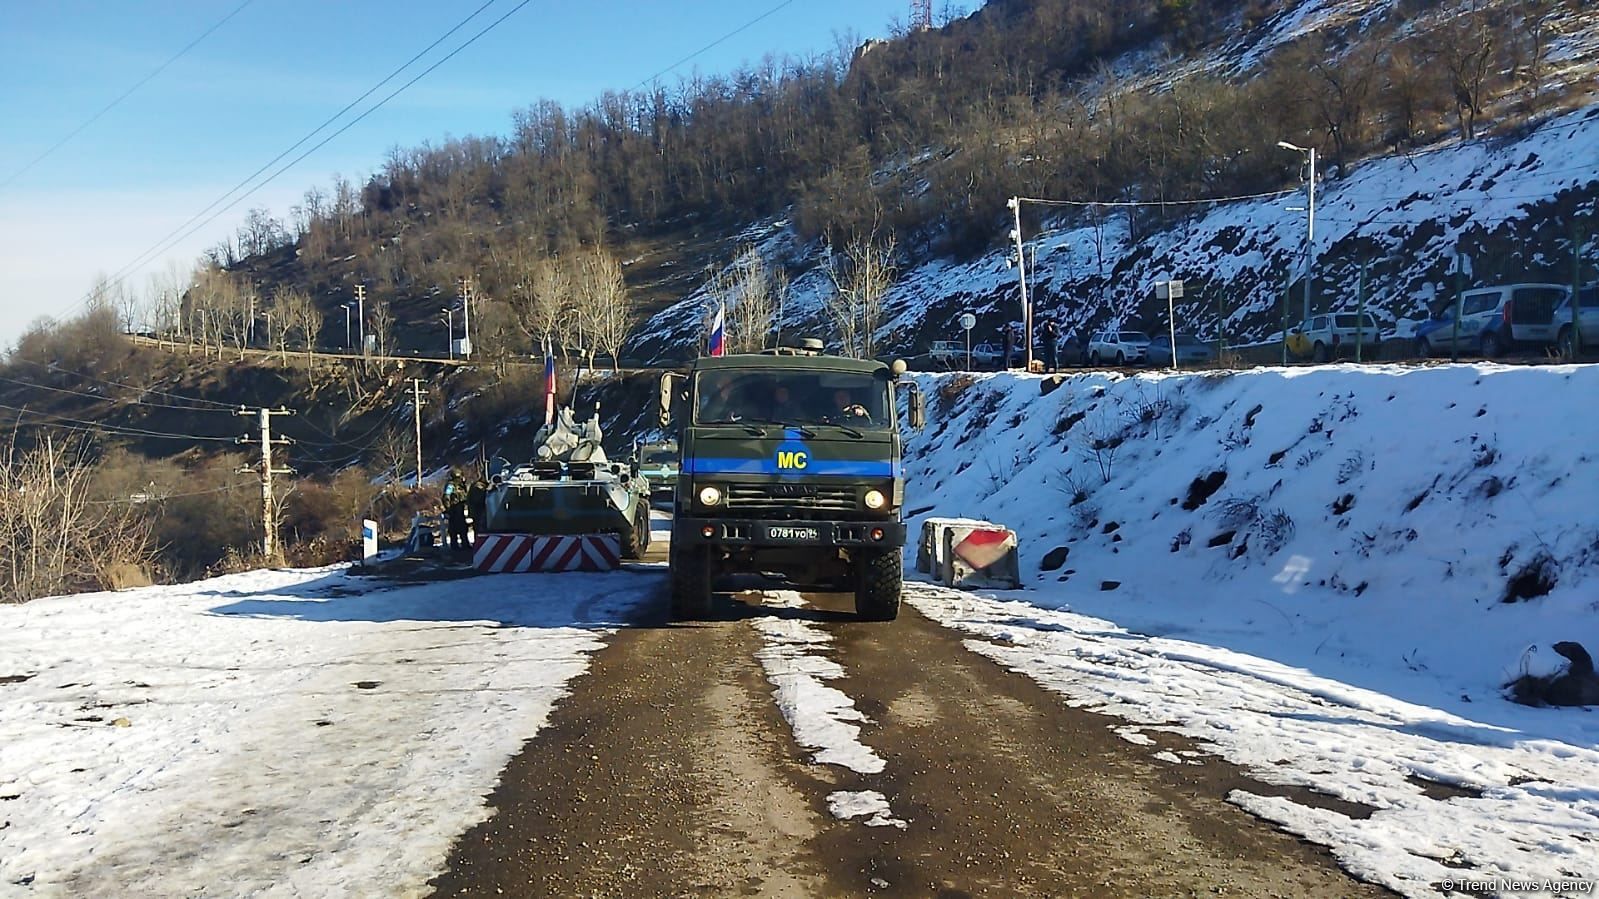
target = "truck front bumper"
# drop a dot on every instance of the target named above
(757, 533)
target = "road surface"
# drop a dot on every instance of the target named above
(671, 770)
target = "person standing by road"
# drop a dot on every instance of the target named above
(1051, 346)
(455, 511)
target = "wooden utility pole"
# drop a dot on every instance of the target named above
(269, 536)
(416, 407)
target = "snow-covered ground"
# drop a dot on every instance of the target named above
(1322, 574)
(305, 733)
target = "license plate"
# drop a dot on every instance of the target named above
(793, 534)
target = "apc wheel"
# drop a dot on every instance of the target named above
(1489, 345)
(637, 543)
(879, 577)
(1319, 352)
(691, 583)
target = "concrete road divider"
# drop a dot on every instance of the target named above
(968, 552)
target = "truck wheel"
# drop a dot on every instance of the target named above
(877, 585)
(691, 583)
(1489, 344)
(1319, 354)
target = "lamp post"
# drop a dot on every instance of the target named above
(1310, 212)
(347, 308)
(1015, 204)
(449, 326)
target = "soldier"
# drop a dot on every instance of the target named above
(477, 506)
(455, 510)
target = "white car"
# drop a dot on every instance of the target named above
(1120, 347)
(1325, 336)
(1588, 324)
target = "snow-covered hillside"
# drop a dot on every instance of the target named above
(1404, 216)
(1327, 575)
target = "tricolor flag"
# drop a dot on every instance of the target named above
(549, 385)
(716, 332)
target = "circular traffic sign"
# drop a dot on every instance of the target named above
(968, 321)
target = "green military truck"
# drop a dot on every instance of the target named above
(790, 466)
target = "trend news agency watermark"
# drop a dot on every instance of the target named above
(1517, 886)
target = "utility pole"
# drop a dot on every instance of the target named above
(1015, 204)
(466, 290)
(360, 300)
(1576, 291)
(269, 536)
(1288, 285)
(1360, 310)
(416, 407)
(1310, 213)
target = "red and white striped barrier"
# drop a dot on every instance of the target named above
(511, 553)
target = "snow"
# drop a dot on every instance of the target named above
(303, 733)
(823, 718)
(1332, 617)
(868, 804)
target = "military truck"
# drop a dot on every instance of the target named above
(790, 468)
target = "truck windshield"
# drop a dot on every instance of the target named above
(847, 399)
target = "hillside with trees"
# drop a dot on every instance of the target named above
(830, 193)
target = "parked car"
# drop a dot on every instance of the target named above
(1324, 337)
(986, 355)
(1190, 350)
(1587, 323)
(948, 354)
(1120, 347)
(1493, 319)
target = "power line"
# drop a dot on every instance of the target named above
(167, 242)
(123, 96)
(714, 43)
(102, 398)
(177, 396)
(95, 426)
(1194, 202)
(163, 497)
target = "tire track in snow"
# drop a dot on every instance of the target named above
(823, 718)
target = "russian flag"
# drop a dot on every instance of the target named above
(549, 385)
(716, 333)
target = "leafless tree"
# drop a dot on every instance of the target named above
(301, 318)
(861, 277)
(1465, 46)
(380, 325)
(606, 308)
(55, 536)
(746, 291)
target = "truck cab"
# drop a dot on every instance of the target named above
(790, 466)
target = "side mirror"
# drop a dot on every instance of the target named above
(664, 401)
(918, 408)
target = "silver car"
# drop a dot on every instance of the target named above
(1120, 347)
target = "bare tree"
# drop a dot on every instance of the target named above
(54, 536)
(380, 325)
(861, 277)
(607, 309)
(301, 318)
(1465, 46)
(746, 292)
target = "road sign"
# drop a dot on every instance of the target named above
(968, 321)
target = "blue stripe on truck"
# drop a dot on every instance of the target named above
(849, 467)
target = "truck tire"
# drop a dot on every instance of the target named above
(877, 586)
(1489, 345)
(1319, 354)
(691, 583)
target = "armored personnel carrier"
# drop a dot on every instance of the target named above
(570, 487)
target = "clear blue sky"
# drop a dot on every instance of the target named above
(279, 68)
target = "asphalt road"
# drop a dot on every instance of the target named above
(671, 771)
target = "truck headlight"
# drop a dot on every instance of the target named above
(875, 499)
(710, 496)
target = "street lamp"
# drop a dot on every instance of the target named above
(1310, 212)
(1015, 204)
(348, 308)
(449, 325)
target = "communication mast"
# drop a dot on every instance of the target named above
(921, 15)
